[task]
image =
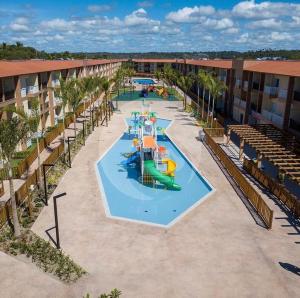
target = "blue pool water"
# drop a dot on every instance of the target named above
(127, 198)
(144, 81)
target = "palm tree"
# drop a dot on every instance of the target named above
(203, 79)
(157, 75)
(118, 81)
(12, 131)
(75, 97)
(185, 83)
(106, 87)
(130, 74)
(217, 89)
(33, 121)
(87, 88)
(63, 93)
(209, 83)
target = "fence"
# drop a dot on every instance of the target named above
(23, 191)
(251, 194)
(288, 199)
(216, 124)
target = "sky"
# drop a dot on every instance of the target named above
(151, 25)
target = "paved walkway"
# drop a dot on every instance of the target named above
(216, 250)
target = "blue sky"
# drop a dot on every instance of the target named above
(151, 25)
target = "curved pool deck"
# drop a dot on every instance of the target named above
(126, 198)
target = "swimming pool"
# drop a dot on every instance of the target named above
(126, 198)
(144, 81)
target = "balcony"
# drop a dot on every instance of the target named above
(23, 92)
(245, 85)
(296, 95)
(274, 118)
(9, 94)
(295, 125)
(32, 90)
(57, 101)
(271, 91)
(255, 86)
(282, 94)
(55, 83)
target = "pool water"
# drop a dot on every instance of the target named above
(127, 198)
(144, 81)
(136, 95)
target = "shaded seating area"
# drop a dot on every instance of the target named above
(270, 143)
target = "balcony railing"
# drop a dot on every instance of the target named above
(32, 89)
(55, 83)
(23, 92)
(57, 101)
(271, 90)
(282, 93)
(274, 118)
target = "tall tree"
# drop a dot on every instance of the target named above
(63, 93)
(12, 131)
(208, 87)
(106, 87)
(217, 89)
(185, 83)
(75, 97)
(203, 81)
(33, 119)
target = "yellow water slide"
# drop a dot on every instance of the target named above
(171, 167)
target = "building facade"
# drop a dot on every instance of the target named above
(21, 81)
(257, 91)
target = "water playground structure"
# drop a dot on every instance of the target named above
(155, 167)
(159, 91)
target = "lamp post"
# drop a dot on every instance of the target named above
(69, 151)
(56, 227)
(45, 181)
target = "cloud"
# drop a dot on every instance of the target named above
(57, 24)
(139, 17)
(99, 8)
(218, 24)
(252, 10)
(243, 38)
(145, 4)
(266, 24)
(190, 14)
(18, 27)
(281, 36)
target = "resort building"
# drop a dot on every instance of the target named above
(20, 81)
(257, 91)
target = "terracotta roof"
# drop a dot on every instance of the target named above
(227, 64)
(13, 68)
(155, 60)
(207, 63)
(287, 68)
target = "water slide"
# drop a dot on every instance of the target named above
(150, 168)
(160, 91)
(132, 158)
(171, 167)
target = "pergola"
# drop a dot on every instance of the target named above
(272, 144)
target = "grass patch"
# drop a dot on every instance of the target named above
(41, 253)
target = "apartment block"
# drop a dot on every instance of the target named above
(21, 81)
(257, 91)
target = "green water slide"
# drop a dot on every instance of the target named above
(150, 168)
